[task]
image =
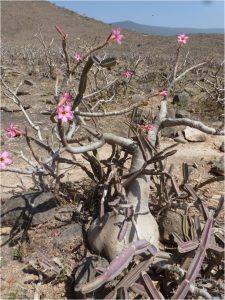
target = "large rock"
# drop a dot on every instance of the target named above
(170, 132)
(181, 99)
(170, 222)
(69, 237)
(34, 207)
(194, 135)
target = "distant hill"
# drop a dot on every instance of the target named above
(20, 21)
(163, 31)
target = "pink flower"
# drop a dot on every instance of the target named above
(12, 131)
(77, 56)
(116, 35)
(162, 93)
(182, 38)
(64, 113)
(66, 97)
(128, 74)
(5, 159)
(148, 127)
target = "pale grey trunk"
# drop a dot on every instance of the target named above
(104, 239)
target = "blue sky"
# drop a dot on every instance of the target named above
(192, 14)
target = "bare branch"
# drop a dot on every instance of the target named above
(104, 88)
(107, 114)
(85, 148)
(188, 70)
(19, 171)
(169, 122)
(18, 102)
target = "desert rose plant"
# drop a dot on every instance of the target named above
(124, 226)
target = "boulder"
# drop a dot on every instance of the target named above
(194, 135)
(35, 207)
(181, 99)
(170, 222)
(170, 132)
(69, 237)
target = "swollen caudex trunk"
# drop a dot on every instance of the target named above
(103, 239)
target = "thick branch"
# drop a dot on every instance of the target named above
(123, 142)
(152, 134)
(82, 149)
(169, 122)
(102, 139)
(188, 70)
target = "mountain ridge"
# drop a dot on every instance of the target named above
(21, 20)
(162, 30)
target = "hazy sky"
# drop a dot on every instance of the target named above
(192, 14)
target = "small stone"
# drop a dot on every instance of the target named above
(218, 167)
(22, 93)
(29, 82)
(137, 98)
(181, 113)
(6, 230)
(194, 135)
(180, 139)
(222, 147)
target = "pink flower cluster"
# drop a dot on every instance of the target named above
(116, 36)
(77, 56)
(12, 131)
(182, 39)
(128, 74)
(5, 159)
(162, 93)
(64, 113)
(147, 127)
